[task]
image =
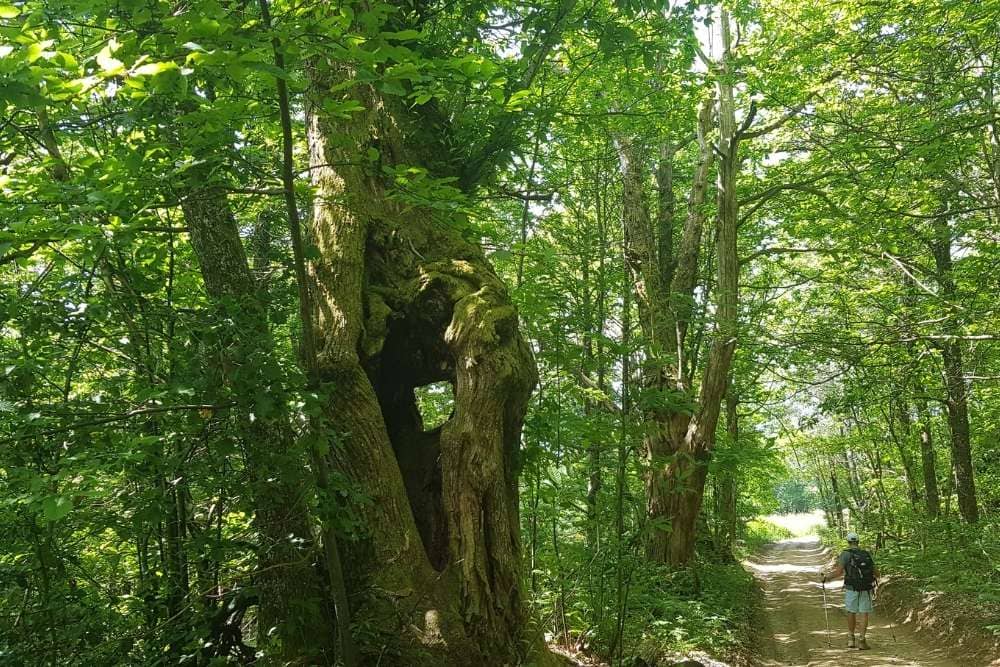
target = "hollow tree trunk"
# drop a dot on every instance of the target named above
(402, 300)
(294, 609)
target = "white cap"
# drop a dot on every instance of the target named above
(852, 537)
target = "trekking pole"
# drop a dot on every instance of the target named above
(892, 626)
(826, 615)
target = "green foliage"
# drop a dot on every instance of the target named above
(867, 242)
(796, 496)
(707, 609)
(761, 532)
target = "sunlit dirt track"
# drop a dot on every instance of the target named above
(793, 631)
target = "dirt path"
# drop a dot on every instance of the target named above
(793, 631)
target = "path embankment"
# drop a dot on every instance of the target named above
(793, 625)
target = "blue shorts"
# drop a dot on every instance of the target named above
(858, 602)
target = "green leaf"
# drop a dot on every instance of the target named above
(110, 66)
(152, 69)
(518, 100)
(402, 35)
(9, 11)
(37, 50)
(267, 68)
(55, 508)
(393, 87)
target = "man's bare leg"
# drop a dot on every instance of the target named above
(862, 628)
(851, 621)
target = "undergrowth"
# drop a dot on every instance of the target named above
(944, 557)
(704, 609)
(759, 533)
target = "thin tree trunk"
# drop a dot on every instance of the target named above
(958, 423)
(954, 380)
(727, 518)
(928, 461)
(902, 441)
(293, 601)
(625, 425)
(838, 502)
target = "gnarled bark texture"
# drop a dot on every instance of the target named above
(682, 418)
(402, 300)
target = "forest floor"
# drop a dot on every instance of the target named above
(792, 629)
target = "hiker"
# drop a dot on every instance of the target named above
(860, 578)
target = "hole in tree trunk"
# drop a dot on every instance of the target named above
(413, 377)
(436, 401)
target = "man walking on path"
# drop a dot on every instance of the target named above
(860, 575)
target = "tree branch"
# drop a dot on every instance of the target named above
(21, 254)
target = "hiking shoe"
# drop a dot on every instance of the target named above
(863, 644)
(850, 643)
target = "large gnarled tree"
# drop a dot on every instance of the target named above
(403, 300)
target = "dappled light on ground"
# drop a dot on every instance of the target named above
(793, 629)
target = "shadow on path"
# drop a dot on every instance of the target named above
(793, 629)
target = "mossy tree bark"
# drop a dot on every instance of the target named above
(682, 418)
(403, 300)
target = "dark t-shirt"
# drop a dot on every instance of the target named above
(843, 559)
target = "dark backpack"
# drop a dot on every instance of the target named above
(859, 573)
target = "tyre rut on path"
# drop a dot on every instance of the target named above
(792, 630)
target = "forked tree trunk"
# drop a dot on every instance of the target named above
(664, 315)
(681, 422)
(402, 300)
(689, 467)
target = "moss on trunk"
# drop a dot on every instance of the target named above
(403, 301)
